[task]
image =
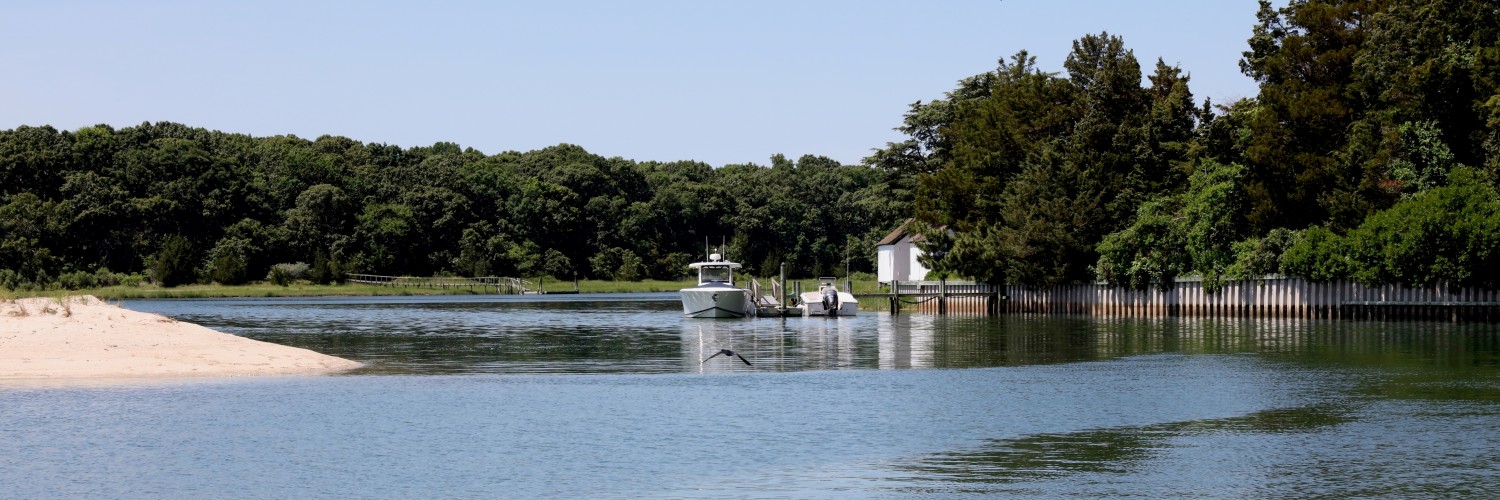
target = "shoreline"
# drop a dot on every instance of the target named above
(85, 339)
(311, 290)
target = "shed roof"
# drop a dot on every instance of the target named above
(900, 232)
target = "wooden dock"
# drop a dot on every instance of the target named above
(773, 304)
(941, 297)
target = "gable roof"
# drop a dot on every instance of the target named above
(900, 232)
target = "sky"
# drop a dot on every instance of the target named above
(717, 82)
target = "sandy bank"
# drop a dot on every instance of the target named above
(87, 338)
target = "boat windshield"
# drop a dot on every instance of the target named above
(713, 273)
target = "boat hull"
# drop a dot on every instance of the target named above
(715, 301)
(812, 304)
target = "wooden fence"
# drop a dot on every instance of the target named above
(1273, 297)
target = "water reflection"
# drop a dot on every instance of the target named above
(908, 347)
(1118, 450)
(645, 333)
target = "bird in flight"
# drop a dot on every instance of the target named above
(727, 352)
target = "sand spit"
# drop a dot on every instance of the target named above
(86, 338)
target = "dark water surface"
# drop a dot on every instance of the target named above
(606, 396)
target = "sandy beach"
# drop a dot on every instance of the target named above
(87, 338)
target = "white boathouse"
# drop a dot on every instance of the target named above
(896, 256)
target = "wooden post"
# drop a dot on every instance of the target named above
(990, 304)
(943, 295)
(895, 296)
(782, 298)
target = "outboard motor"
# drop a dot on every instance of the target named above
(831, 301)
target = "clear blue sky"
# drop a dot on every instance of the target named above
(717, 82)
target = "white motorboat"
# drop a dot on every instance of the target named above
(716, 296)
(828, 300)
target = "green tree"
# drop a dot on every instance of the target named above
(1214, 216)
(1148, 253)
(320, 220)
(228, 262)
(1449, 234)
(385, 231)
(174, 262)
(1320, 256)
(1303, 56)
(1422, 159)
(28, 232)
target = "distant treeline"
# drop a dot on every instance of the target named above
(182, 204)
(1369, 154)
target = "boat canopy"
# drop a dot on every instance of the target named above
(715, 270)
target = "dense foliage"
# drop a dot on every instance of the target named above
(188, 205)
(1343, 166)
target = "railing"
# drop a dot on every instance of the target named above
(942, 297)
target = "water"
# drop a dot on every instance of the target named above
(607, 396)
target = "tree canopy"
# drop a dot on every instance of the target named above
(1097, 173)
(187, 204)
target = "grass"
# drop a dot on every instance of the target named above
(250, 290)
(304, 289)
(604, 286)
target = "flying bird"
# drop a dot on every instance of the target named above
(727, 352)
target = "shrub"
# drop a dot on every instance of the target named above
(76, 280)
(229, 261)
(617, 264)
(9, 279)
(174, 263)
(284, 274)
(1257, 257)
(103, 277)
(1320, 256)
(675, 266)
(326, 270)
(1446, 234)
(556, 264)
(1147, 253)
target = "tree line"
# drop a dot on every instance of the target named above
(178, 204)
(1370, 153)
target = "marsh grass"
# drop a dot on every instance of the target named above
(20, 310)
(603, 286)
(306, 289)
(65, 302)
(118, 293)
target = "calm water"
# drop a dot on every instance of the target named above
(607, 396)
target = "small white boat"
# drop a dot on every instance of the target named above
(828, 300)
(716, 296)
